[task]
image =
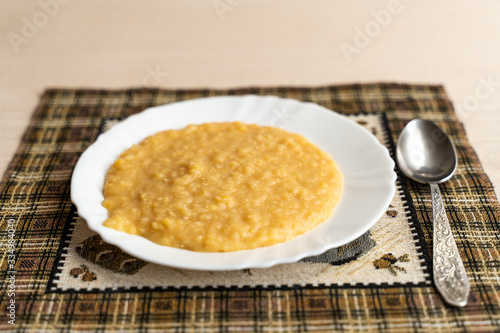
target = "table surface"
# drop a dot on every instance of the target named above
(220, 44)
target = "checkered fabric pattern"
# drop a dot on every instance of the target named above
(35, 208)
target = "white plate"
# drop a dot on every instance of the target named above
(369, 178)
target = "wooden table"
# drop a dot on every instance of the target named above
(183, 44)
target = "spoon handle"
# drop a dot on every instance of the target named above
(450, 277)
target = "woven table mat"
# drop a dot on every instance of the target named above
(40, 235)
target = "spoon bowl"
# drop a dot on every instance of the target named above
(425, 154)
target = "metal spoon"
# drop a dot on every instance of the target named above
(425, 154)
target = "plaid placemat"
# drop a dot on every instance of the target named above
(391, 253)
(58, 276)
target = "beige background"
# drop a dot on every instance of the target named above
(233, 43)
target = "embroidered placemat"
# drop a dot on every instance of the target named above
(59, 275)
(85, 255)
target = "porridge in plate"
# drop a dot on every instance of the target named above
(220, 187)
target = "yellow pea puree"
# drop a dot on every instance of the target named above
(221, 187)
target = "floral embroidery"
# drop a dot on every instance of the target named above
(388, 260)
(391, 212)
(95, 250)
(87, 276)
(365, 124)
